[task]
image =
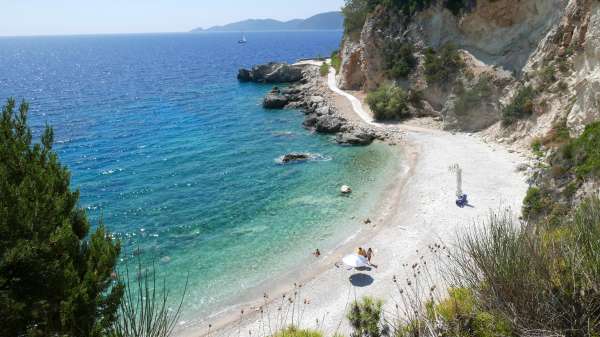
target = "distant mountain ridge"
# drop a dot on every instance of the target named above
(323, 21)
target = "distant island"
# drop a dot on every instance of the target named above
(323, 21)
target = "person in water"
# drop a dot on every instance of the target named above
(317, 252)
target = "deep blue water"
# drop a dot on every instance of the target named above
(179, 159)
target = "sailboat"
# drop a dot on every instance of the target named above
(243, 39)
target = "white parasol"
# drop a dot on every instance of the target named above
(355, 261)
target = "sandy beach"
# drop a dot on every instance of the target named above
(416, 210)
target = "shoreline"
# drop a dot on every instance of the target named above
(416, 211)
(286, 283)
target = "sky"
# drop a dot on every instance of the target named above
(66, 17)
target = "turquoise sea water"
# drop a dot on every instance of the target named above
(180, 160)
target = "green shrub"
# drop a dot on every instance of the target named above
(536, 203)
(461, 316)
(355, 14)
(584, 151)
(295, 332)
(336, 61)
(398, 58)
(442, 65)
(548, 76)
(536, 147)
(542, 277)
(520, 107)
(388, 103)
(324, 69)
(365, 317)
(467, 99)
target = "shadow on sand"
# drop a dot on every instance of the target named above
(361, 280)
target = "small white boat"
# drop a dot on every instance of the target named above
(243, 39)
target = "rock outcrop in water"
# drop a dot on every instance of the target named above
(295, 156)
(309, 93)
(271, 73)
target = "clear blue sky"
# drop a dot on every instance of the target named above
(51, 17)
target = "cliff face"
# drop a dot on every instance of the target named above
(550, 45)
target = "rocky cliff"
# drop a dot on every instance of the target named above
(552, 46)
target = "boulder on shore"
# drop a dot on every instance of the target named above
(357, 136)
(328, 124)
(275, 100)
(271, 73)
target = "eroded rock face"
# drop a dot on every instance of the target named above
(271, 73)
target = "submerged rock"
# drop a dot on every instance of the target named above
(295, 156)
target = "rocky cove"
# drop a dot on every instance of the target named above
(306, 89)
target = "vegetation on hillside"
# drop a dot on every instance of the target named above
(336, 61)
(389, 102)
(356, 11)
(324, 69)
(521, 106)
(443, 65)
(467, 99)
(55, 276)
(398, 59)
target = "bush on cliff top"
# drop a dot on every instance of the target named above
(389, 102)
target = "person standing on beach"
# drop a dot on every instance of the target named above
(370, 254)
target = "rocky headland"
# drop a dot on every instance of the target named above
(307, 90)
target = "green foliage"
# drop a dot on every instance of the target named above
(324, 69)
(585, 151)
(365, 317)
(548, 76)
(536, 147)
(389, 102)
(55, 278)
(536, 203)
(461, 316)
(443, 65)
(144, 310)
(356, 11)
(336, 61)
(398, 59)
(355, 14)
(541, 278)
(295, 332)
(520, 107)
(467, 99)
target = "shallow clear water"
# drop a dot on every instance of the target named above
(179, 159)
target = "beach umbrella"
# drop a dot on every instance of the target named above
(355, 261)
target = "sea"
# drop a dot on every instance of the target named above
(180, 161)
